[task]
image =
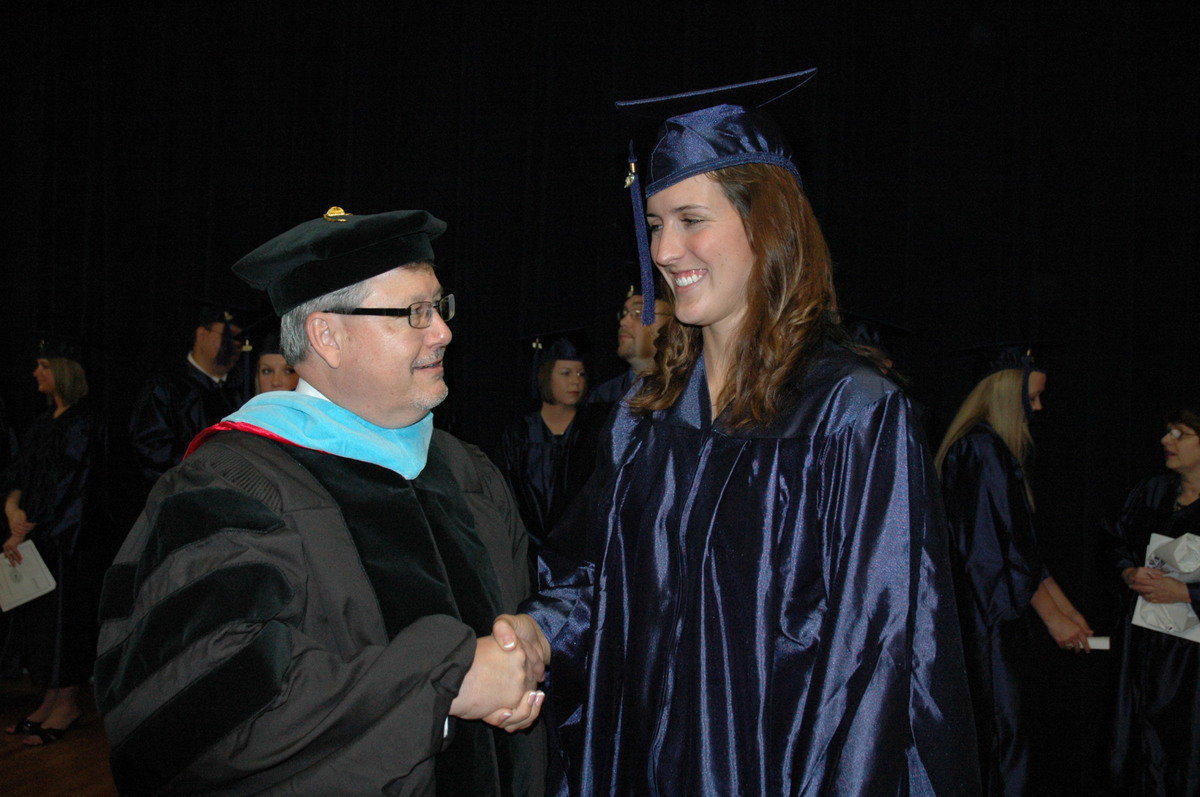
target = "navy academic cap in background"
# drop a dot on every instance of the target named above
(1015, 355)
(990, 358)
(335, 251)
(704, 131)
(57, 345)
(560, 344)
(212, 311)
(872, 332)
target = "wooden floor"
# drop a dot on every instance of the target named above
(77, 765)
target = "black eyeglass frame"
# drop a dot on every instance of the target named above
(623, 312)
(444, 307)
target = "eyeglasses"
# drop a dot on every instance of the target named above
(420, 314)
(1175, 433)
(637, 313)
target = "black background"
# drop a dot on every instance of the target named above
(1022, 169)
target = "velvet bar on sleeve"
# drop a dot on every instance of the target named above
(764, 613)
(282, 618)
(997, 570)
(1156, 732)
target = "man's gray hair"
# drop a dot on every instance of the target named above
(293, 339)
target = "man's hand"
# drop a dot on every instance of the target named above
(521, 630)
(499, 688)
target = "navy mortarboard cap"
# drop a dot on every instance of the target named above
(562, 344)
(1011, 356)
(707, 130)
(256, 337)
(53, 345)
(871, 331)
(270, 344)
(992, 358)
(335, 251)
(210, 311)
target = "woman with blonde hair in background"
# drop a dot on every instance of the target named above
(1004, 590)
(54, 499)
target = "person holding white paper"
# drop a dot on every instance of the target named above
(1006, 595)
(1156, 739)
(53, 498)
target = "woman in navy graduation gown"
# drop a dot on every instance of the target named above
(1157, 729)
(767, 607)
(542, 454)
(53, 498)
(1005, 593)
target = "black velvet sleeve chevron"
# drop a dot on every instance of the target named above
(240, 652)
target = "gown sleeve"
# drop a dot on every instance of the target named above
(75, 504)
(236, 652)
(894, 654)
(566, 572)
(152, 431)
(1123, 531)
(991, 529)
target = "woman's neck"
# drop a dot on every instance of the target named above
(557, 417)
(718, 354)
(1189, 486)
(59, 406)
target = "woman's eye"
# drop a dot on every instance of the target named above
(653, 227)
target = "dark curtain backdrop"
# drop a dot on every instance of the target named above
(1028, 169)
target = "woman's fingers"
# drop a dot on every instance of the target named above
(531, 708)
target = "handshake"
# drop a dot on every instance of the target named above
(501, 686)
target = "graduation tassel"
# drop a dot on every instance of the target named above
(643, 243)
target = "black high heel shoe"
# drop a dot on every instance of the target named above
(52, 735)
(25, 727)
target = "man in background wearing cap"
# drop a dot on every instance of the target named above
(310, 602)
(179, 402)
(635, 345)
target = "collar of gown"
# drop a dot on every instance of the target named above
(307, 418)
(833, 385)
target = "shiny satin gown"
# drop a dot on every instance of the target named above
(1156, 746)
(60, 472)
(546, 471)
(764, 613)
(997, 569)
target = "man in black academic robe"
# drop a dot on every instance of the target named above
(178, 402)
(310, 602)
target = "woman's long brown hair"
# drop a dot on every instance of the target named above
(790, 297)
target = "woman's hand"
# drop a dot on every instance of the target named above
(1064, 605)
(1157, 587)
(1068, 634)
(17, 522)
(10, 549)
(1140, 575)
